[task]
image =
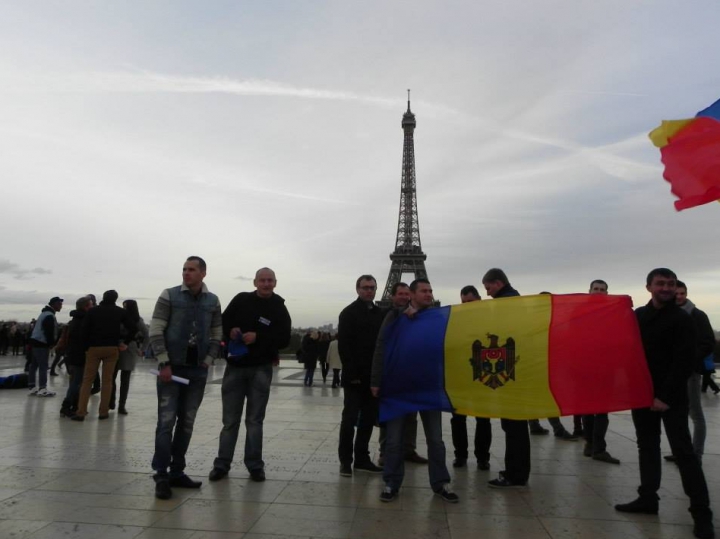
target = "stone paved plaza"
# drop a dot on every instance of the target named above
(92, 480)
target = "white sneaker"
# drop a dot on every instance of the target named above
(45, 393)
(33, 391)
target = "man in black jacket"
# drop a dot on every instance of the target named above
(668, 336)
(260, 321)
(103, 339)
(358, 329)
(517, 436)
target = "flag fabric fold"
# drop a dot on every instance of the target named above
(519, 358)
(689, 151)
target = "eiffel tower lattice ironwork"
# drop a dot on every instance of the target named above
(408, 256)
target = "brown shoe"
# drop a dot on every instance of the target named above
(417, 459)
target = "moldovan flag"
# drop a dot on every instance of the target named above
(689, 151)
(521, 357)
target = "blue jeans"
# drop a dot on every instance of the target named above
(394, 470)
(240, 383)
(696, 415)
(39, 365)
(73, 393)
(177, 407)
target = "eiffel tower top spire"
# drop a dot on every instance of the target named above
(408, 256)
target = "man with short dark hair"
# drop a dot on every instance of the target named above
(517, 436)
(668, 336)
(261, 321)
(185, 334)
(704, 347)
(458, 422)
(358, 329)
(394, 471)
(43, 337)
(595, 426)
(101, 333)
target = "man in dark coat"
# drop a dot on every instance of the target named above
(358, 329)
(668, 336)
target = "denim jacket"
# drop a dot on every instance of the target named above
(181, 320)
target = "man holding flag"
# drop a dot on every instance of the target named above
(421, 298)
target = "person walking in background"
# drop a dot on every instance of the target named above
(128, 357)
(43, 337)
(103, 336)
(75, 356)
(324, 344)
(333, 361)
(310, 353)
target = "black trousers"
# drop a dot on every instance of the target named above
(517, 450)
(361, 409)
(708, 381)
(483, 437)
(124, 387)
(647, 429)
(594, 429)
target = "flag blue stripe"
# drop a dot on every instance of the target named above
(414, 368)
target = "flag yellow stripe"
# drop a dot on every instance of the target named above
(526, 320)
(667, 129)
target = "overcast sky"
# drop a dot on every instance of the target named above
(135, 134)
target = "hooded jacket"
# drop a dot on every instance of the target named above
(268, 318)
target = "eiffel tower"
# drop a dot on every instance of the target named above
(408, 256)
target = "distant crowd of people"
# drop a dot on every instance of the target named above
(188, 325)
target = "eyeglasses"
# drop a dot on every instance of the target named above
(368, 288)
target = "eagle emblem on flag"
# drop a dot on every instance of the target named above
(494, 365)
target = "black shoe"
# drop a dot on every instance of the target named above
(162, 489)
(66, 412)
(368, 466)
(483, 465)
(53, 373)
(184, 481)
(587, 450)
(704, 528)
(103, 416)
(577, 433)
(640, 505)
(566, 436)
(111, 406)
(459, 463)
(388, 494)
(78, 417)
(670, 458)
(503, 483)
(447, 494)
(122, 411)
(605, 457)
(95, 391)
(345, 470)
(257, 475)
(539, 431)
(216, 474)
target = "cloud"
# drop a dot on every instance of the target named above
(11, 268)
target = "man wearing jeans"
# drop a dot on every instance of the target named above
(185, 334)
(260, 323)
(394, 471)
(704, 346)
(43, 337)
